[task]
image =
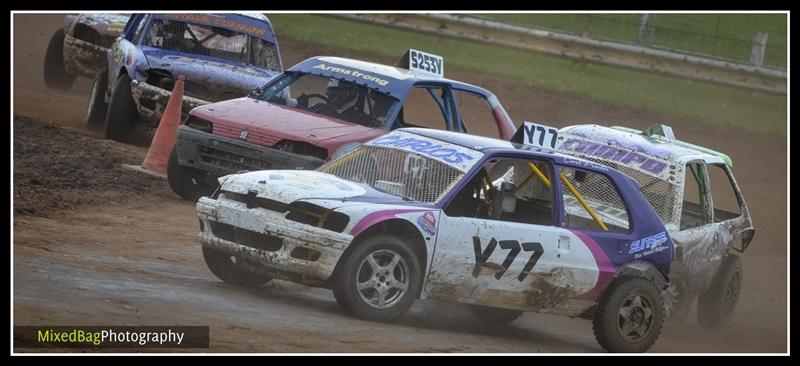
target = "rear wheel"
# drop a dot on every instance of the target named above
(187, 182)
(55, 75)
(379, 279)
(97, 107)
(715, 306)
(493, 315)
(630, 315)
(122, 113)
(223, 265)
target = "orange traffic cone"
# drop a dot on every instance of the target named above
(155, 163)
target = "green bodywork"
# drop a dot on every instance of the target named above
(687, 145)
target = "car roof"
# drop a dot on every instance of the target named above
(397, 80)
(657, 146)
(489, 145)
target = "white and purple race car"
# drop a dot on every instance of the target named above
(420, 213)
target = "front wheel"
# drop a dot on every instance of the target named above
(630, 316)
(122, 112)
(187, 182)
(223, 265)
(379, 279)
(715, 306)
(97, 107)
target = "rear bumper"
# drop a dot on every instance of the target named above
(152, 100)
(221, 155)
(83, 58)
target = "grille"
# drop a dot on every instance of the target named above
(253, 136)
(246, 237)
(396, 172)
(230, 161)
(599, 193)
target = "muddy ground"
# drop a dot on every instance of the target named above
(94, 244)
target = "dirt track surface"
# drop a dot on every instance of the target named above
(98, 245)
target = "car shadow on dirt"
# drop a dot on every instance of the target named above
(429, 314)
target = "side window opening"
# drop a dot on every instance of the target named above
(507, 190)
(428, 107)
(591, 200)
(476, 114)
(694, 211)
(723, 190)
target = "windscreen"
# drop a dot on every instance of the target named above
(406, 165)
(331, 97)
(214, 42)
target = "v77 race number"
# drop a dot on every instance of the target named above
(514, 247)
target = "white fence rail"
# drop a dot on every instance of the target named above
(589, 50)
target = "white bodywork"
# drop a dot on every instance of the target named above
(496, 263)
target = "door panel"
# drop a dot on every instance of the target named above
(511, 265)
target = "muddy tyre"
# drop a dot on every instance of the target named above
(122, 113)
(493, 315)
(223, 265)
(630, 315)
(55, 75)
(97, 107)
(187, 182)
(678, 296)
(378, 279)
(715, 306)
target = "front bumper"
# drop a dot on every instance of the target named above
(152, 100)
(221, 155)
(233, 228)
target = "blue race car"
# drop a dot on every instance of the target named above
(223, 56)
(422, 213)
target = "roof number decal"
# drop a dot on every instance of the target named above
(537, 135)
(425, 62)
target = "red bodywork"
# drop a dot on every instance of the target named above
(267, 124)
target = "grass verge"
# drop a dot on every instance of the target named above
(709, 103)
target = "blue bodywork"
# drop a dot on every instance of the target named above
(208, 78)
(399, 88)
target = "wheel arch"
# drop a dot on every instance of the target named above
(399, 227)
(641, 269)
(644, 270)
